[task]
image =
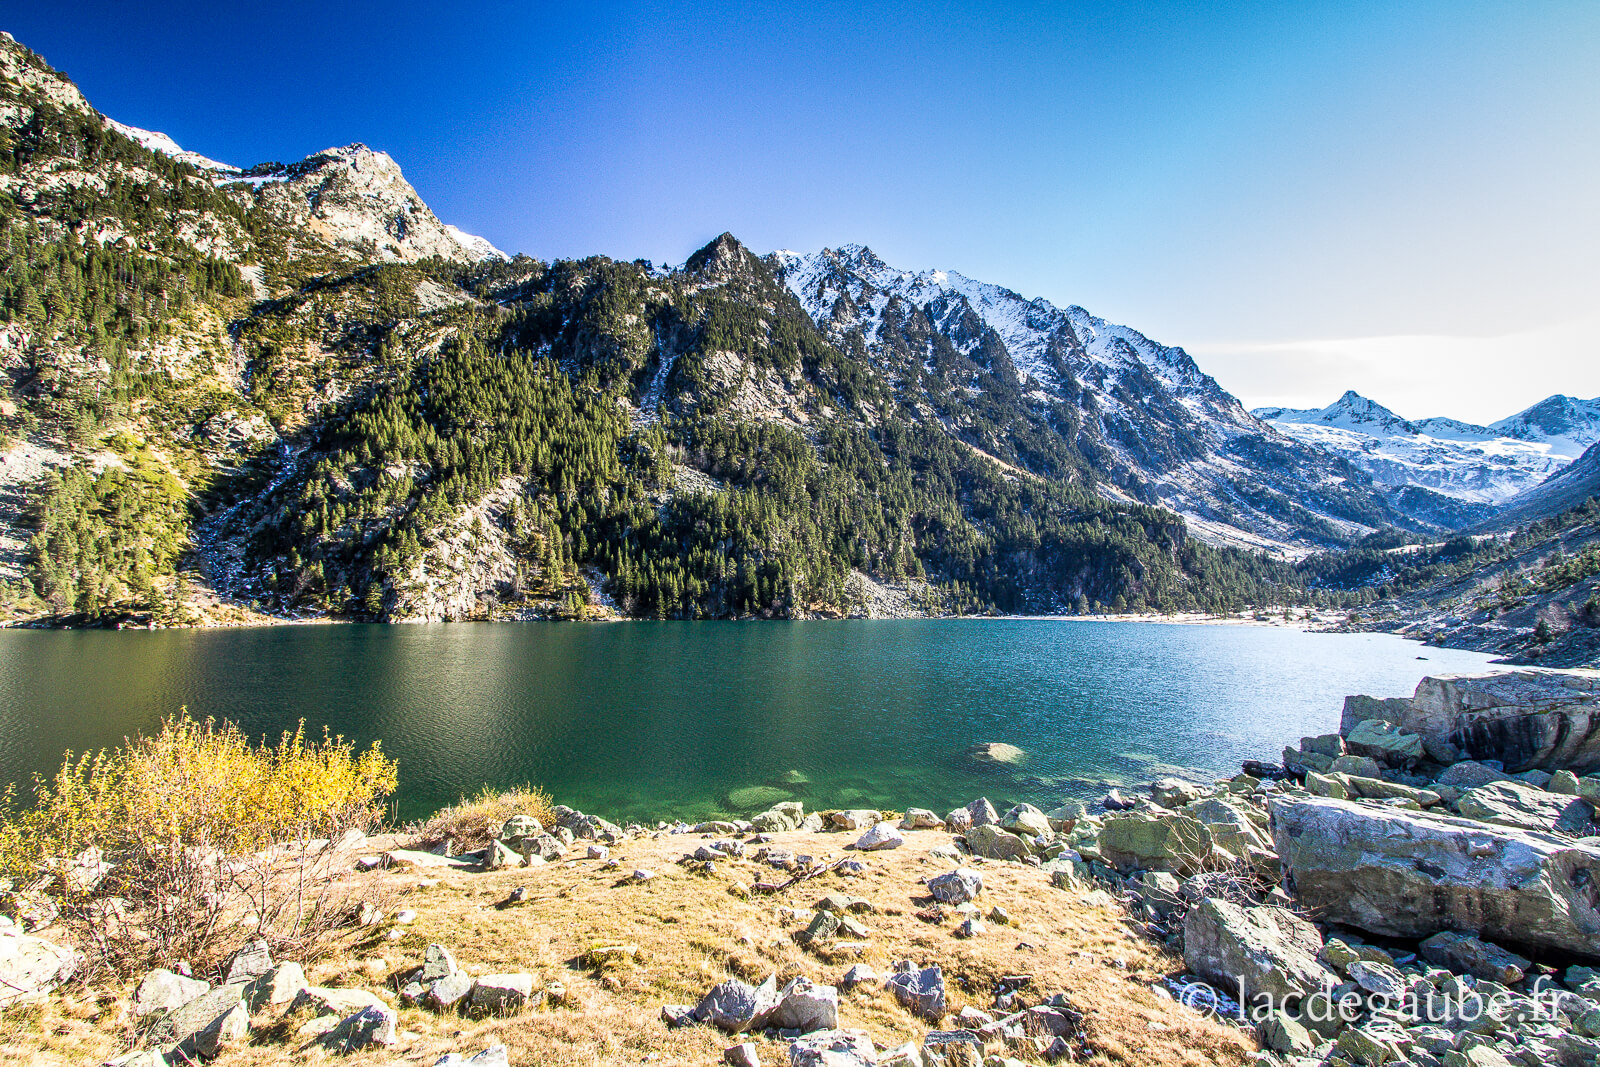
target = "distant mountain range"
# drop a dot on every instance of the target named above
(1481, 466)
(293, 389)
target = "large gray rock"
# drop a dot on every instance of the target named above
(251, 961)
(1523, 718)
(956, 887)
(1141, 841)
(1257, 949)
(1469, 774)
(500, 994)
(919, 990)
(161, 991)
(1025, 819)
(372, 1025)
(1411, 874)
(833, 1048)
(736, 1006)
(779, 818)
(281, 985)
(1515, 804)
(805, 1006)
(993, 843)
(214, 1012)
(882, 836)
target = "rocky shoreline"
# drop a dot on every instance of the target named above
(1421, 888)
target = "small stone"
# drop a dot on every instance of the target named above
(162, 991)
(642, 875)
(743, 1055)
(599, 852)
(919, 990)
(971, 927)
(833, 1048)
(860, 974)
(405, 916)
(500, 994)
(251, 961)
(999, 916)
(882, 836)
(447, 992)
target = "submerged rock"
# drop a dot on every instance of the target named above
(994, 752)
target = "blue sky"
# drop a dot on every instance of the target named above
(1397, 198)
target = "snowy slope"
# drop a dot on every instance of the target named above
(1145, 417)
(1476, 464)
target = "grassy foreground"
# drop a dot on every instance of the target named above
(692, 930)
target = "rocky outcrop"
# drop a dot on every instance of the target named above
(1524, 719)
(31, 966)
(1412, 874)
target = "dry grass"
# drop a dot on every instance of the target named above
(471, 822)
(692, 931)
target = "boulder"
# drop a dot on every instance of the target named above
(994, 752)
(1329, 746)
(858, 974)
(1359, 709)
(1135, 840)
(1232, 827)
(518, 827)
(853, 819)
(921, 819)
(1523, 718)
(952, 1048)
(1465, 954)
(919, 990)
(449, 992)
(1469, 774)
(1385, 742)
(833, 1048)
(546, 847)
(372, 1025)
(221, 1033)
(436, 963)
(500, 994)
(209, 1012)
(497, 855)
(1066, 815)
(161, 991)
(981, 813)
(1516, 804)
(1025, 819)
(805, 1006)
(779, 818)
(1411, 874)
(1283, 1033)
(956, 887)
(880, 837)
(1175, 792)
(735, 1006)
(993, 843)
(1356, 766)
(281, 985)
(328, 1000)
(1259, 950)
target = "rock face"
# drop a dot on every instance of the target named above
(1257, 949)
(1525, 719)
(1412, 874)
(31, 966)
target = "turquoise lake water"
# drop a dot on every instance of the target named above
(652, 720)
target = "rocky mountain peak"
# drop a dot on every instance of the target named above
(1559, 416)
(723, 258)
(20, 64)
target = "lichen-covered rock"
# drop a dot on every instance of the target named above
(921, 819)
(1261, 950)
(1413, 873)
(1025, 819)
(1136, 840)
(853, 819)
(1524, 806)
(993, 843)
(1385, 742)
(1175, 792)
(500, 994)
(373, 1025)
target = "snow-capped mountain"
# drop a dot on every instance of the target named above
(1149, 422)
(1481, 465)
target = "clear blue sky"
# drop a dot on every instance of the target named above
(1395, 197)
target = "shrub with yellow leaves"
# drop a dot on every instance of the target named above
(162, 849)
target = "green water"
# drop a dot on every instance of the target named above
(650, 720)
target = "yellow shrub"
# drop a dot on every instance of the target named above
(179, 816)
